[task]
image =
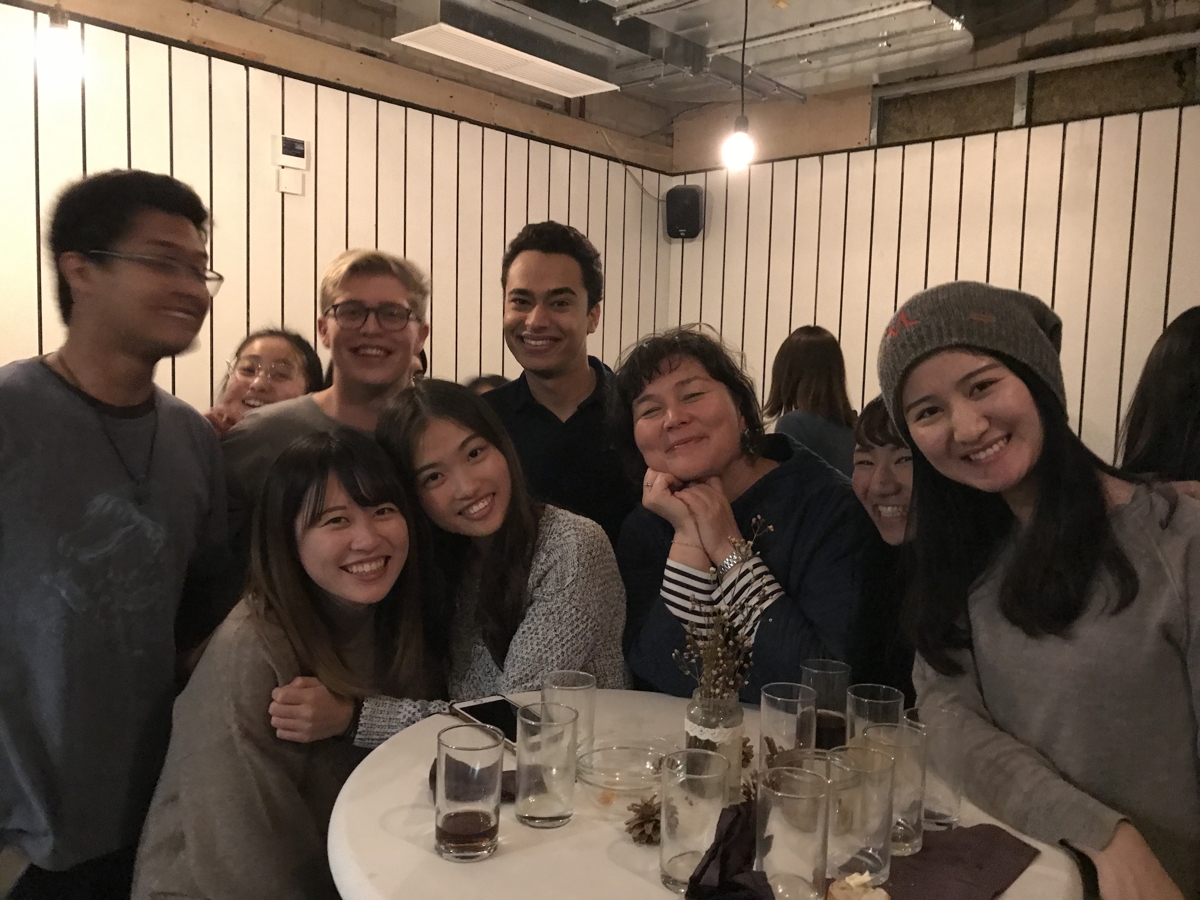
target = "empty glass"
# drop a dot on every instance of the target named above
(830, 679)
(905, 744)
(693, 795)
(945, 764)
(871, 704)
(792, 832)
(546, 756)
(578, 691)
(787, 720)
(467, 816)
(860, 813)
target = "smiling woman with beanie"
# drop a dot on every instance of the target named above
(1056, 607)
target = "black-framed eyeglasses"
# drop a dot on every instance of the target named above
(247, 368)
(353, 314)
(169, 268)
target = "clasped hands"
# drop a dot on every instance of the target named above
(698, 511)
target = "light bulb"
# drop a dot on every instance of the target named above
(738, 150)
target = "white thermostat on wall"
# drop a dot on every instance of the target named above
(292, 152)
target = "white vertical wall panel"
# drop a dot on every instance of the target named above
(301, 265)
(852, 318)
(944, 209)
(652, 207)
(106, 100)
(559, 196)
(1043, 188)
(418, 196)
(597, 226)
(1185, 260)
(390, 197)
(885, 248)
(915, 188)
(190, 164)
(631, 276)
(712, 276)
(684, 303)
(758, 237)
(362, 192)
(577, 195)
(441, 348)
(491, 319)
(614, 263)
(230, 211)
(264, 230)
(18, 190)
(538, 200)
(1008, 208)
(831, 249)
(733, 307)
(809, 201)
(469, 351)
(780, 260)
(1100, 389)
(331, 182)
(664, 289)
(975, 214)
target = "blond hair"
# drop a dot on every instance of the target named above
(374, 262)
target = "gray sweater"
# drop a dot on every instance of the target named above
(1066, 737)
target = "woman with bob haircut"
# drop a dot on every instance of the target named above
(333, 599)
(1161, 434)
(1056, 606)
(808, 394)
(731, 518)
(269, 365)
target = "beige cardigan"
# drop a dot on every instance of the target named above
(239, 813)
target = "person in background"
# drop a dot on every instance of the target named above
(333, 599)
(1056, 605)
(420, 366)
(112, 515)
(269, 365)
(882, 482)
(482, 384)
(554, 412)
(731, 518)
(1161, 433)
(808, 394)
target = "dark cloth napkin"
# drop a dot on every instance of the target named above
(976, 863)
(508, 782)
(726, 872)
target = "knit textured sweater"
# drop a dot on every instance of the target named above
(1066, 737)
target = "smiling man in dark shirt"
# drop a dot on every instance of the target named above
(553, 285)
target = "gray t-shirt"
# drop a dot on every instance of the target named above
(91, 584)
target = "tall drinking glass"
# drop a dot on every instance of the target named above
(787, 720)
(546, 756)
(578, 691)
(905, 744)
(792, 832)
(945, 766)
(693, 795)
(830, 679)
(467, 818)
(871, 704)
(860, 818)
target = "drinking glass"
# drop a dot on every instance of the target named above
(467, 818)
(693, 795)
(871, 704)
(905, 744)
(578, 691)
(830, 679)
(787, 720)
(945, 764)
(860, 813)
(792, 832)
(546, 757)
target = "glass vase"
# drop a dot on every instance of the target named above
(716, 723)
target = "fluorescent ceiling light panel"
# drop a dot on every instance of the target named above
(480, 53)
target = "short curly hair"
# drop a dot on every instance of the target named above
(554, 237)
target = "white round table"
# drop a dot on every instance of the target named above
(381, 831)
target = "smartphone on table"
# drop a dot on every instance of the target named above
(496, 710)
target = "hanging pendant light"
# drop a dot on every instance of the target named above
(737, 152)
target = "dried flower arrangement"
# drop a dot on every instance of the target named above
(716, 655)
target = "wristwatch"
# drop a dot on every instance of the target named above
(742, 551)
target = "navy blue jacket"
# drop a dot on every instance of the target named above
(814, 551)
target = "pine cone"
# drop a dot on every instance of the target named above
(645, 827)
(747, 752)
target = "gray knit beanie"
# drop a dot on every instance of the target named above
(971, 316)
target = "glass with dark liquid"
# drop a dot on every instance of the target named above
(830, 679)
(469, 764)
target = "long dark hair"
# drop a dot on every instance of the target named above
(1161, 434)
(281, 593)
(658, 354)
(504, 589)
(809, 374)
(959, 531)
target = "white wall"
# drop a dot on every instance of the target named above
(447, 194)
(1100, 218)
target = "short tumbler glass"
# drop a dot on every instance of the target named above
(469, 764)
(693, 795)
(546, 758)
(578, 691)
(787, 721)
(792, 832)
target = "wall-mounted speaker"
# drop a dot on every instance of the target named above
(685, 211)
